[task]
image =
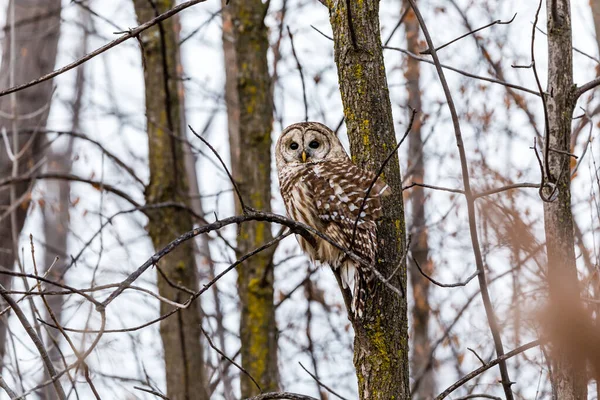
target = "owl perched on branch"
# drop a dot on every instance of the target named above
(322, 188)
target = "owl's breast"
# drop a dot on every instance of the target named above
(299, 204)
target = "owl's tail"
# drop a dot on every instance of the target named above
(353, 279)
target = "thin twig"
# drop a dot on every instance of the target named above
(36, 341)
(448, 67)
(505, 188)
(235, 187)
(212, 345)
(546, 175)
(496, 22)
(322, 384)
(155, 393)
(476, 355)
(445, 285)
(377, 175)
(299, 66)
(440, 188)
(487, 366)
(281, 395)
(69, 177)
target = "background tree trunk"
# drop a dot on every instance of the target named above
(184, 356)
(56, 219)
(381, 337)
(419, 247)
(251, 164)
(36, 33)
(569, 380)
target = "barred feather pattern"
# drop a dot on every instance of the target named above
(327, 195)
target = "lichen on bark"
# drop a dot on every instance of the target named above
(250, 118)
(180, 334)
(381, 336)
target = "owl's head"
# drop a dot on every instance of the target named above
(307, 142)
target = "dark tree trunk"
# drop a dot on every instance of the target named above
(36, 32)
(250, 116)
(181, 334)
(381, 337)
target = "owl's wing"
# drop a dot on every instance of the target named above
(339, 189)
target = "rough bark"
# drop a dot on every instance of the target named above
(381, 337)
(419, 247)
(180, 334)
(251, 165)
(568, 375)
(35, 54)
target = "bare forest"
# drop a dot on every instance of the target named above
(149, 250)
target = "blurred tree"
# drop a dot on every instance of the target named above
(56, 209)
(381, 336)
(419, 247)
(595, 5)
(32, 31)
(569, 380)
(250, 119)
(184, 355)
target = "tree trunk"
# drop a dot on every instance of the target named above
(251, 164)
(56, 219)
(419, 244)
(381, 337)
(569, 377)
(180, 334)
(36, 32)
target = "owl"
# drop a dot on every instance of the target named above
(322, 188)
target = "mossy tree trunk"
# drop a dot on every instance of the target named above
(180, 334)
(568, 376)
(421, 368)
(251, 164)
(36, 43)
(381, 337)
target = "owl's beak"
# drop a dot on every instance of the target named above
(303, 156)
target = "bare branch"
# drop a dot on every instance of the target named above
(496, 22)
(586, 87)
(36, 341)
(445, 285)
(131, 34)
(322, 384)
(281, 395)
(487, 366)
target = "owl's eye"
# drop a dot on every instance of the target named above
(294, 146)
(314, 144)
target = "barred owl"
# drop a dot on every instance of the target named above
(322, 188)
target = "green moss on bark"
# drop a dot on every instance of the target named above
(180, 334)
(251, 166)
(380, 345)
